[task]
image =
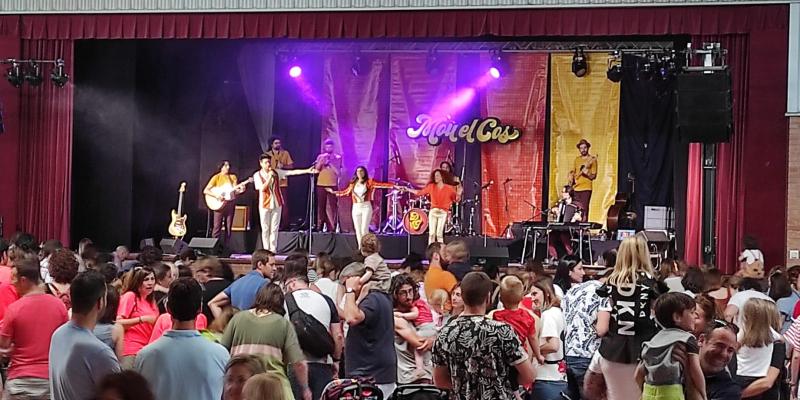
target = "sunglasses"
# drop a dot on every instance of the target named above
(719, 323)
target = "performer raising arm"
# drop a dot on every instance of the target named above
(361, 188)
(329, 165)
(442, 198)
(270, 199)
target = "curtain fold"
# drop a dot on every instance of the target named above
(693, 245)
(257, 70)
(584, 108)
(45, 170)
(392, 24)
(518, 99)
(355, 119)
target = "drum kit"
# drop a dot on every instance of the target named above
(410, 215)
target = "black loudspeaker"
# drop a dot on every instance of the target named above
(172, 246)
(704, 107)
(206, 246)
(488, 256)
(146, 242)
(657, 241)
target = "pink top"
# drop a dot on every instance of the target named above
(425, 316)
(5, 274)
(164, 323)
(30, 322)
(136, 336)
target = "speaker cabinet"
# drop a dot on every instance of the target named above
(172, 246)
(206, 246)
(704, 107)
(488, 256)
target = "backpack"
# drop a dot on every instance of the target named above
(314, 337)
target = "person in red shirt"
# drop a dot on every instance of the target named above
(137, 312)
(523, 320)
(5, 262)
(25, 333)
(442, 198)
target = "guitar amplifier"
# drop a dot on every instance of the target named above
(241, 219)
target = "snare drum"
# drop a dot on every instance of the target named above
(415, 222)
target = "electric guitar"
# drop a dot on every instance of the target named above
(177, 227)
(224, 194)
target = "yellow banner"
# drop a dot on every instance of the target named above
(584, 108)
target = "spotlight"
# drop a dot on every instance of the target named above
(614, 73)
(668, 68)
(432, 64)
(34, 74)
(295, 71)
(358, 65)
(14, 74)
(579, 65)
(59, 75)
(647, 67)
(498, 66)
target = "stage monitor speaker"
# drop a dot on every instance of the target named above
(705, 107)
(657, 241)
(146, 242)
(172, 246)
(206, 246)
(488, 256)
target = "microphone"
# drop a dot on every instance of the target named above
(507, 180)
(486, 186)
(475, 183)
(447, 157)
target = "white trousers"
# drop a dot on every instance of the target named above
(270, 223)
(362, 215)
(437, 218)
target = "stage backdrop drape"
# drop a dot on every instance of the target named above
(584, 108)
(693, 247)
(519, 99)
(646, 139)
(257, 70)
(413, 91)
(44, 195)
(355, 117)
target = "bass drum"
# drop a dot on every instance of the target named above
(415, 222)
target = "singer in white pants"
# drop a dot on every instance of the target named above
(442, 196)
(361, 189)
(270, 198)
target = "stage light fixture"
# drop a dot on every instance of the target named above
(579, 65)
(59, 75)
(33, 75)
(295, 71)
(647, 66)
(668, 67)
(14, 74)
(498, 65)
(614, 73)
(358, 66)
(432, 63)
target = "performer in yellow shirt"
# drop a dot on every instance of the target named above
(281, 159)
(223, 179)
(584, 171)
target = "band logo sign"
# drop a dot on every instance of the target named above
(482, 130)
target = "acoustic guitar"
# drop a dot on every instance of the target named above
(177, 227)
(222, 195)
(585, 165)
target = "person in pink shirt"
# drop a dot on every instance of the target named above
(164, 323)
(5, 262)
(137, 312)
(25, 333)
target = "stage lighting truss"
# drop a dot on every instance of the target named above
(21, 71)
(580, 67)
(498, 66)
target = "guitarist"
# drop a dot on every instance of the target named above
(225, 214)
(583, 173)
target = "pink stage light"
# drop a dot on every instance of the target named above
(494, 72)
(295, 71)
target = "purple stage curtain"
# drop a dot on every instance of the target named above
(354, 116)
(410, 24)
(412, 92)
(45, 158)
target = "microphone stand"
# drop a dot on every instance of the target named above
(507, 233)
(310, 212)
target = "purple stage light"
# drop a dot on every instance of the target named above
(494, 72)
(295, 71)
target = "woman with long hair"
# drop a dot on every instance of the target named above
(569, 271)
(450, 176)
(137, 311)
(761, 351)
(631, 288)
(361, 189)
(263, 331)
(442, 196)
(551, 377)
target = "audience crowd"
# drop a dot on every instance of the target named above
(92, 325)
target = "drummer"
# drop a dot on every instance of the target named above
(442, 196)
(361, 188)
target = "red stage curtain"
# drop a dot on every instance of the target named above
(518, 99)
(46, 148)
(693, 249)
(413, 91)
(354, 116)
(411, 24)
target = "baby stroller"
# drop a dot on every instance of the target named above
(419, 392)
(352, 389)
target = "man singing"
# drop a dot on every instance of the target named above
(584, 171)
(224, 180)
(329, 165)
(281, 159)
(270, 199)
